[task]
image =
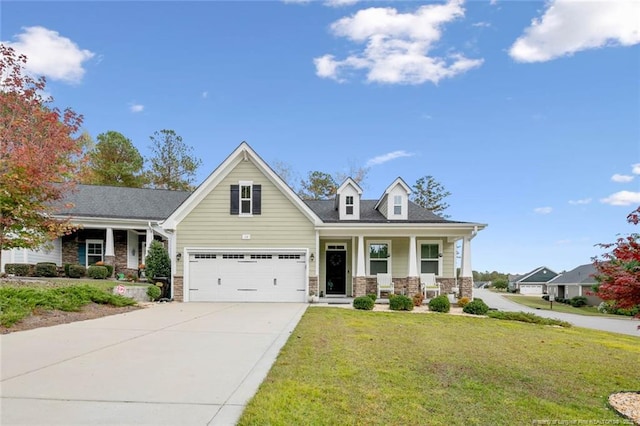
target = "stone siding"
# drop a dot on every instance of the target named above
(360, 286)
(314, 290)
(69, 251)
(466, 287)
(178, 288)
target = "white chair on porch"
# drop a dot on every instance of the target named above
(428, 283)
(385, 283)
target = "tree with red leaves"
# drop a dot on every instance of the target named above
(39, 157)
(619, 270)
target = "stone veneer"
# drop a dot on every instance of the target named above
(178, 288)
(466, 287)
(411, 285)
(314, 290)
(360, 285)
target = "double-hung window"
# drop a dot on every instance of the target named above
(379, 258)
(349, 204)
(245, 199)
(397, 205)
(94, 252)
(430, 258)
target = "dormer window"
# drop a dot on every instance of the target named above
(349, 204)
(397, 205)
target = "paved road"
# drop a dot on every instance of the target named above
(622, 325)
(176, 363)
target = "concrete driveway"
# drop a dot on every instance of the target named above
(177, 363)
(622, 325)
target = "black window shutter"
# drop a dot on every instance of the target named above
(235, 199)
(257, 199)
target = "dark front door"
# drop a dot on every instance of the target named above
(336, 272)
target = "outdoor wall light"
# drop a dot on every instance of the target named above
(178, 257)
(311, 257)
(439, 254)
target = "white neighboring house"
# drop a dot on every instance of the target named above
(51, 253)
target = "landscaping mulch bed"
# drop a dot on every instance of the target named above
(43, 318)
(627, 404)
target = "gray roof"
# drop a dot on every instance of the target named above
(580, 275)
(122, 203)
(326, 210)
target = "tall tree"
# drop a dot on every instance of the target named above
(115, 161)
(173, 166)
(37, 157)
(430, 194)
(618, 271)
(317, 186)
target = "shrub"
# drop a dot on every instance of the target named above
(476, 307)
(418, 298)
(578, 301)
(401, 303)
(154, 292)
(363, 302)
(66, 269)
(77, 271)
(440, 304)
(46, 269)
(157, 262)
(526, 317)
(18, 269)
(372, 296)
(545, 297)
(97, 272)
(500, 283)
(463, 301)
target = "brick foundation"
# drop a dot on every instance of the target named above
(178, 288)
(446, 284)
(466, 287)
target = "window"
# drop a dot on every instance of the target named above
(94, 252)
(349, 204)
(378, 258)
(245, 199)
(430, 259)
(397, 204)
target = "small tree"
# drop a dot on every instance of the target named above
(173, 166)
(430, 194)
(157, 262)
(618, 272)
(500, 283)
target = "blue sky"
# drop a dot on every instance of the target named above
(527, 112)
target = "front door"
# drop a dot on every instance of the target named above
(336, 272)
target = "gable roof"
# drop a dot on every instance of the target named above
(538, 275)
(242, 153)
(398, 181)
(121, 203)
(580, 275)
(349, 181)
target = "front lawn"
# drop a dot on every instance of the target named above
(537, 302)
(342, 366)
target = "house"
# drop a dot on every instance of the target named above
(245, 235)
(533, 282)
(577, 282)
(115, 226)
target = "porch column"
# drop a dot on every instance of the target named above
(413, 280)
(360, 277)
(149, 239)
(109, 251)
(466, 274)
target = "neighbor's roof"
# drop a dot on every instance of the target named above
(580, 275)
(325, 209)
(122, 203)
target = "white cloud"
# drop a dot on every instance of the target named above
(580, 202)
(136, 108)
(397, 45)
(635, 169)
(570, 26)
(205, 95)
(543, 210)
(622, 198)
(50, 54)
(621, 178)
(481, 24)
(380, 159)
(340, 3)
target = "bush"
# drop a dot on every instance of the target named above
(66, 269)
(500, 283)
(545, 297)
(97, 272)
(418, 298)
(157, 262)
(18, 269)
(46, 269)
(77, 271)
(401, 303)
(372, 296)
(463, 301)
(440, 304)
(578, 301)
(526, 317)
(476, 307)
(154, 292)
(109, 270)
(363, 302)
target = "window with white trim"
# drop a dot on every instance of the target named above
(95, 252)
(397, 204)
(245, 198)
(379, 257)
(349, 204)
(430, 258)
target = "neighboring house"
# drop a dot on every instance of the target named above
(115, 226)
(577, 282)
(245, 235)
(534, 282)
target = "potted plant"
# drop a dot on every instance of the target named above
(141, 272)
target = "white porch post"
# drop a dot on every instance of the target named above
(413, 257)
(109, 250)
(465, 267)
(149, 239)
(360, 267)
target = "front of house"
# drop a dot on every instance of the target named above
(245, 235)
(533, 282)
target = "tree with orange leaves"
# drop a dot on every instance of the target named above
(39, 157)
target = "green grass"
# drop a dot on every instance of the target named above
(18, 302)
(343, 366)
(537, 302)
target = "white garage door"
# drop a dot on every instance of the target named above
(530, 289)
(247, 277)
